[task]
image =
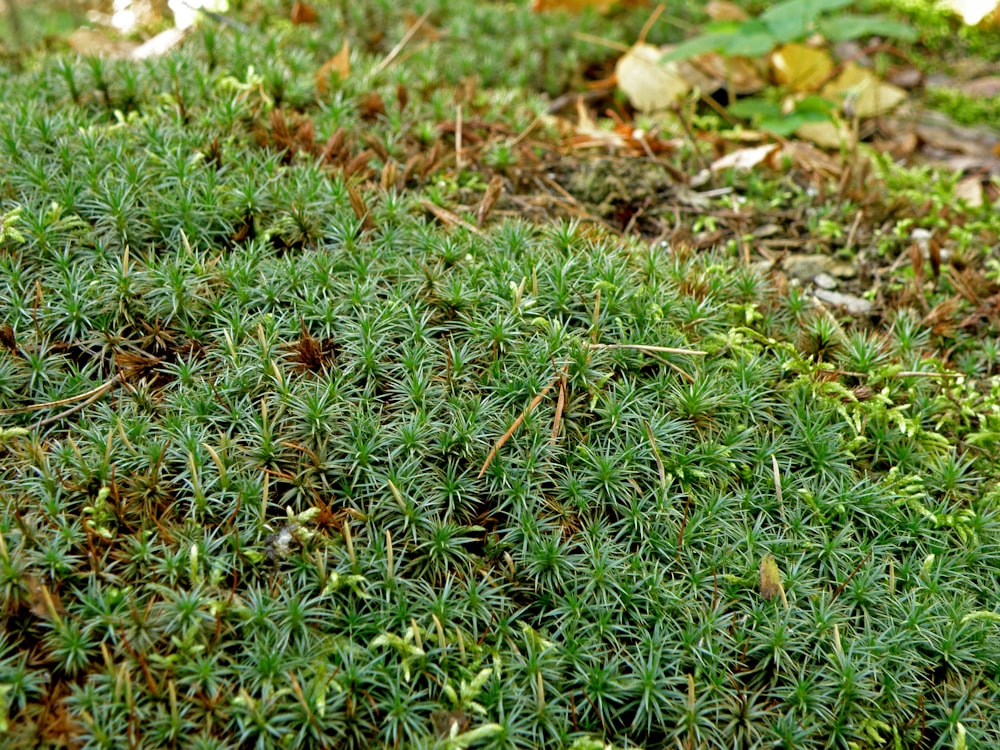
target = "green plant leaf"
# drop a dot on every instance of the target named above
(791, 122)
(752, 40)
(849, 26)
(767, 115)
(755, 109)
(794, 19)
(717, 37)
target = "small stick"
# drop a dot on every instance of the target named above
(526, 132)
(458, 136)
(657, 12)
(560, 405)
(98, 391)
(777, 484)
(849, 578)
(82, 405)
(447, 217)
(517, 423)
(645, 348)
(394, 52)
(656, 455)
(584, 37)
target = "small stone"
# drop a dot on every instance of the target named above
(843, 270)
(825, 281)
(807, 267)
(853, 305)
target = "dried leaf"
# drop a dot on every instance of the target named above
(97, 43)
(863, 93)
(985, 87)
(592, 134)
(723, 10)
(801, 68)
(493, 191)
(649, 84)
(340, 64)
(745, 158)
(970, 190)
(829, 134)
(770, 577)
(303, 13)
(738, 74)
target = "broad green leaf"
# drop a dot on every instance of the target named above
(754, 39)
(794, 19)
(716, 38)
(848, 26)
(789, 123)
(755, 109)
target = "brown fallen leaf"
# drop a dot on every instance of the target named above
(737, 74)
(340, 64)
(302, 13)
(986, 86)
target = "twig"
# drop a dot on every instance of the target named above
(560, 405)
(99, 390)
(777, 485)
(584, 37)
(459, 163)
(657, 12)
(656, 454)
(526, 132)
(447, 217)
(849, 578)
(394, 52)
(517, 423)
(919, 374)
(82, 405)
(646, 348)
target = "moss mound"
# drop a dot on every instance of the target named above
(285, 462)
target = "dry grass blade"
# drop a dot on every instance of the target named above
(90, 395)
(401, 45)
(645, 348)
(490, 198)
(447, 217)
(360, 208)
(517, 423)
(560, 406)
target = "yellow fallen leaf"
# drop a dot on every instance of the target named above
(770, 580)
(649, 84)
(340, 64)
(827, 134)
(863, 93)
(801, 68)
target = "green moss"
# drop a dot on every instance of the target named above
(282, 514)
